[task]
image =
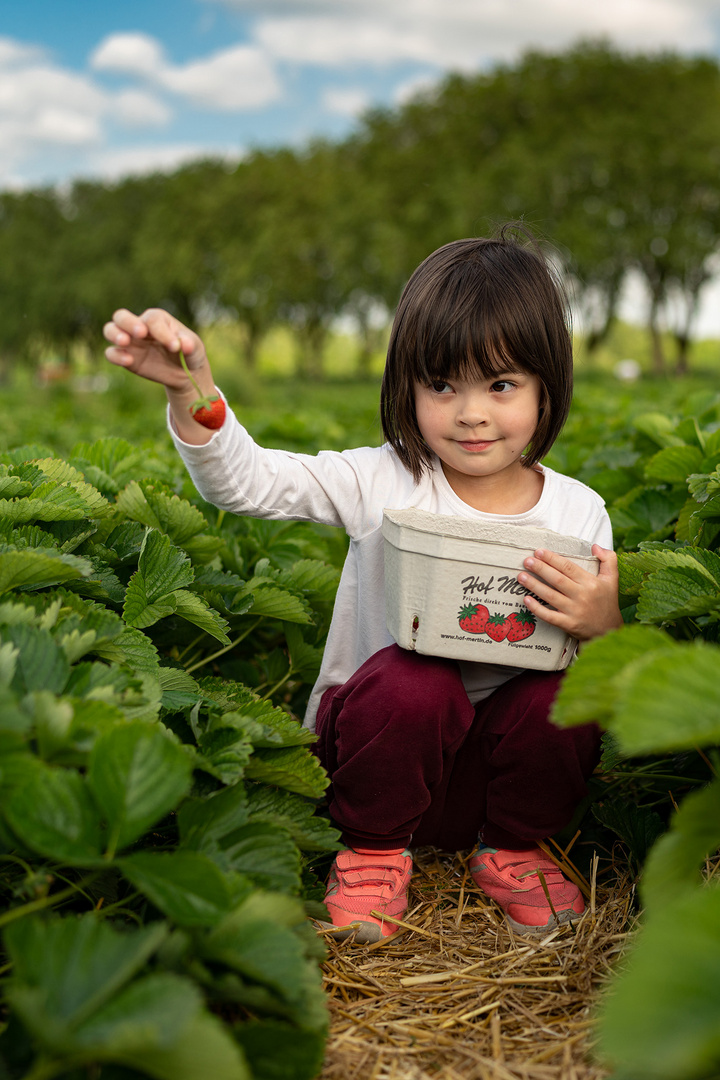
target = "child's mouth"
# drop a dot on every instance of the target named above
(477, 446)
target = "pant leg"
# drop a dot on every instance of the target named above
(518, 778)
(388, 739)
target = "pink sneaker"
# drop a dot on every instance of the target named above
(511, 879)
(361, 883)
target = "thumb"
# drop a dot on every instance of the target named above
(608, 561)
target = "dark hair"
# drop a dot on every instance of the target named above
(478, 307)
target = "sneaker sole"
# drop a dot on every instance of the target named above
(564, 919)
(362, 933)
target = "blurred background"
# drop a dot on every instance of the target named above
(273, 170)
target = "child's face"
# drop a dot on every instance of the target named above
(479, 428)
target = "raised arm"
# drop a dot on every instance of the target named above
(150, 345)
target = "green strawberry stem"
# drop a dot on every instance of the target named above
(202, 401)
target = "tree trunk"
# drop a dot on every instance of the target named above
(311, 339)
(682, 363)
(657, 352)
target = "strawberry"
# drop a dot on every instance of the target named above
(497, 627)
(208, 411)
(473, 618)
(522, 625)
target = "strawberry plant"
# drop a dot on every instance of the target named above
(157, 794)
(653, 685)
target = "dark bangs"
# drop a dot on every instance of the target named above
(475, 309)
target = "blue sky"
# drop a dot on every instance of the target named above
(94, 89)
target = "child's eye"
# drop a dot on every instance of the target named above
(440, 386)
(503, 385)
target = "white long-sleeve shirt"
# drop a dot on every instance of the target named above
(350, 490)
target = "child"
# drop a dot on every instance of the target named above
(421, 749)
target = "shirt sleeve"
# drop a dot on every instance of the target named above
(344, 489)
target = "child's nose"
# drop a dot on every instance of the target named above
(472, 410)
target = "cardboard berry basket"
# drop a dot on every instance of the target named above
(451, 589)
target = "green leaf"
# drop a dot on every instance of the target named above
(660, 1019)
(166, 512)
(266, 854)
(226, 751)
(647, 515)
(162, 568)
(676, 592)
(637, 826)
(588, 693)
(35, 569)
(305, 659)
(257, 940)
(41, 664)
(108, 462)
(277, 728)
(133, 648)
(64, 969)
(658, 427)
(674, 464)
(669, 700)
(96, 505)
(54, 814)
(53, 719)
(186, 886)
(137, 775)
(294, 813)
(197, 611)
(278, 603)
(675, 861)
(151, 1013)
(278, 1051)
(294, 768)
(205, 1048)
(315, 579)
(203, 548)
(50, 501)
(204, 822)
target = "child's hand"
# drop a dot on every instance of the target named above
(585, 606)
(150, 344)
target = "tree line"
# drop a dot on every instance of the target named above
(612, 157)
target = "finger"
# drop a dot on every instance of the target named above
(540, 590)
(119, 356)
(546, 614)
(608, 561)
(548, 582)
(129, 322)
(559, 566)
(114, 334)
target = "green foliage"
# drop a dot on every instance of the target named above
(156, 814)
(653, 686)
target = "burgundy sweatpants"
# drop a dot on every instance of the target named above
(410, 758)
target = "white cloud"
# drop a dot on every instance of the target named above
(47, 110)
(13, 52)
(132, 54)
(135, 108)
(463, 34)
(231, 80)
(68, 127)
(114, 164)
(345, 101)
